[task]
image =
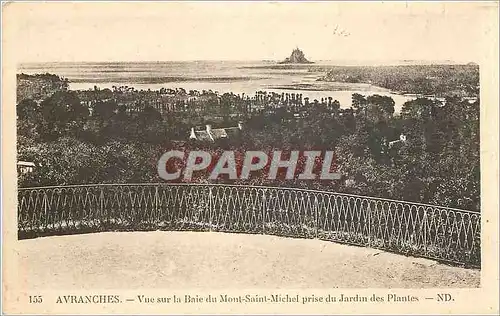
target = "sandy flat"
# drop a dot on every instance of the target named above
(131, 260)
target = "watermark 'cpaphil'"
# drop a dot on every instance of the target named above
(302, 165)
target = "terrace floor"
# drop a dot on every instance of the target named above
(131, 260)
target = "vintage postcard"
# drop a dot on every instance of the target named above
(250, 158)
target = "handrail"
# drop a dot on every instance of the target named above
(247, 186)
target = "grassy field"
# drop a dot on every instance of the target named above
(437, 80)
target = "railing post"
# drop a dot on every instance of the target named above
(316, 217)
(425, 230)
(156, 210)
(264, 211)
(101, 204)
(210, 208)
(369, 215)
(45, 209)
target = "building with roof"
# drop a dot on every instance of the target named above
(210, 134)
(25, 166)
(400, 141)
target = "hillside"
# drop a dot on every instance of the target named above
(39, 86)
(438, 80)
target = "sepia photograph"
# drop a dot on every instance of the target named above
(219, 146)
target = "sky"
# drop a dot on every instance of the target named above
(45, 32)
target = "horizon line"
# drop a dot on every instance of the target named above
(246, 60)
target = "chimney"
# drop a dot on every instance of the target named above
(240, 125)
(193, 134)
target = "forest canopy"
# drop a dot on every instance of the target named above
(428, 153)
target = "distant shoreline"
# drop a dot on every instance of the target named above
(269, 62)
(161, 80)
(332, 86)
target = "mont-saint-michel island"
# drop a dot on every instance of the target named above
(297, 57)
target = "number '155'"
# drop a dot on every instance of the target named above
(35, 299)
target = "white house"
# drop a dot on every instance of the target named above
(402, 139)
(25, 166)
(212, 134)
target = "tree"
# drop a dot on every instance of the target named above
(104, 111)
(29, 118)
(358, 102)
(63, 114)
(383, 103)
(149, 126)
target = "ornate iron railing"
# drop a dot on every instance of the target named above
(435, 232)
